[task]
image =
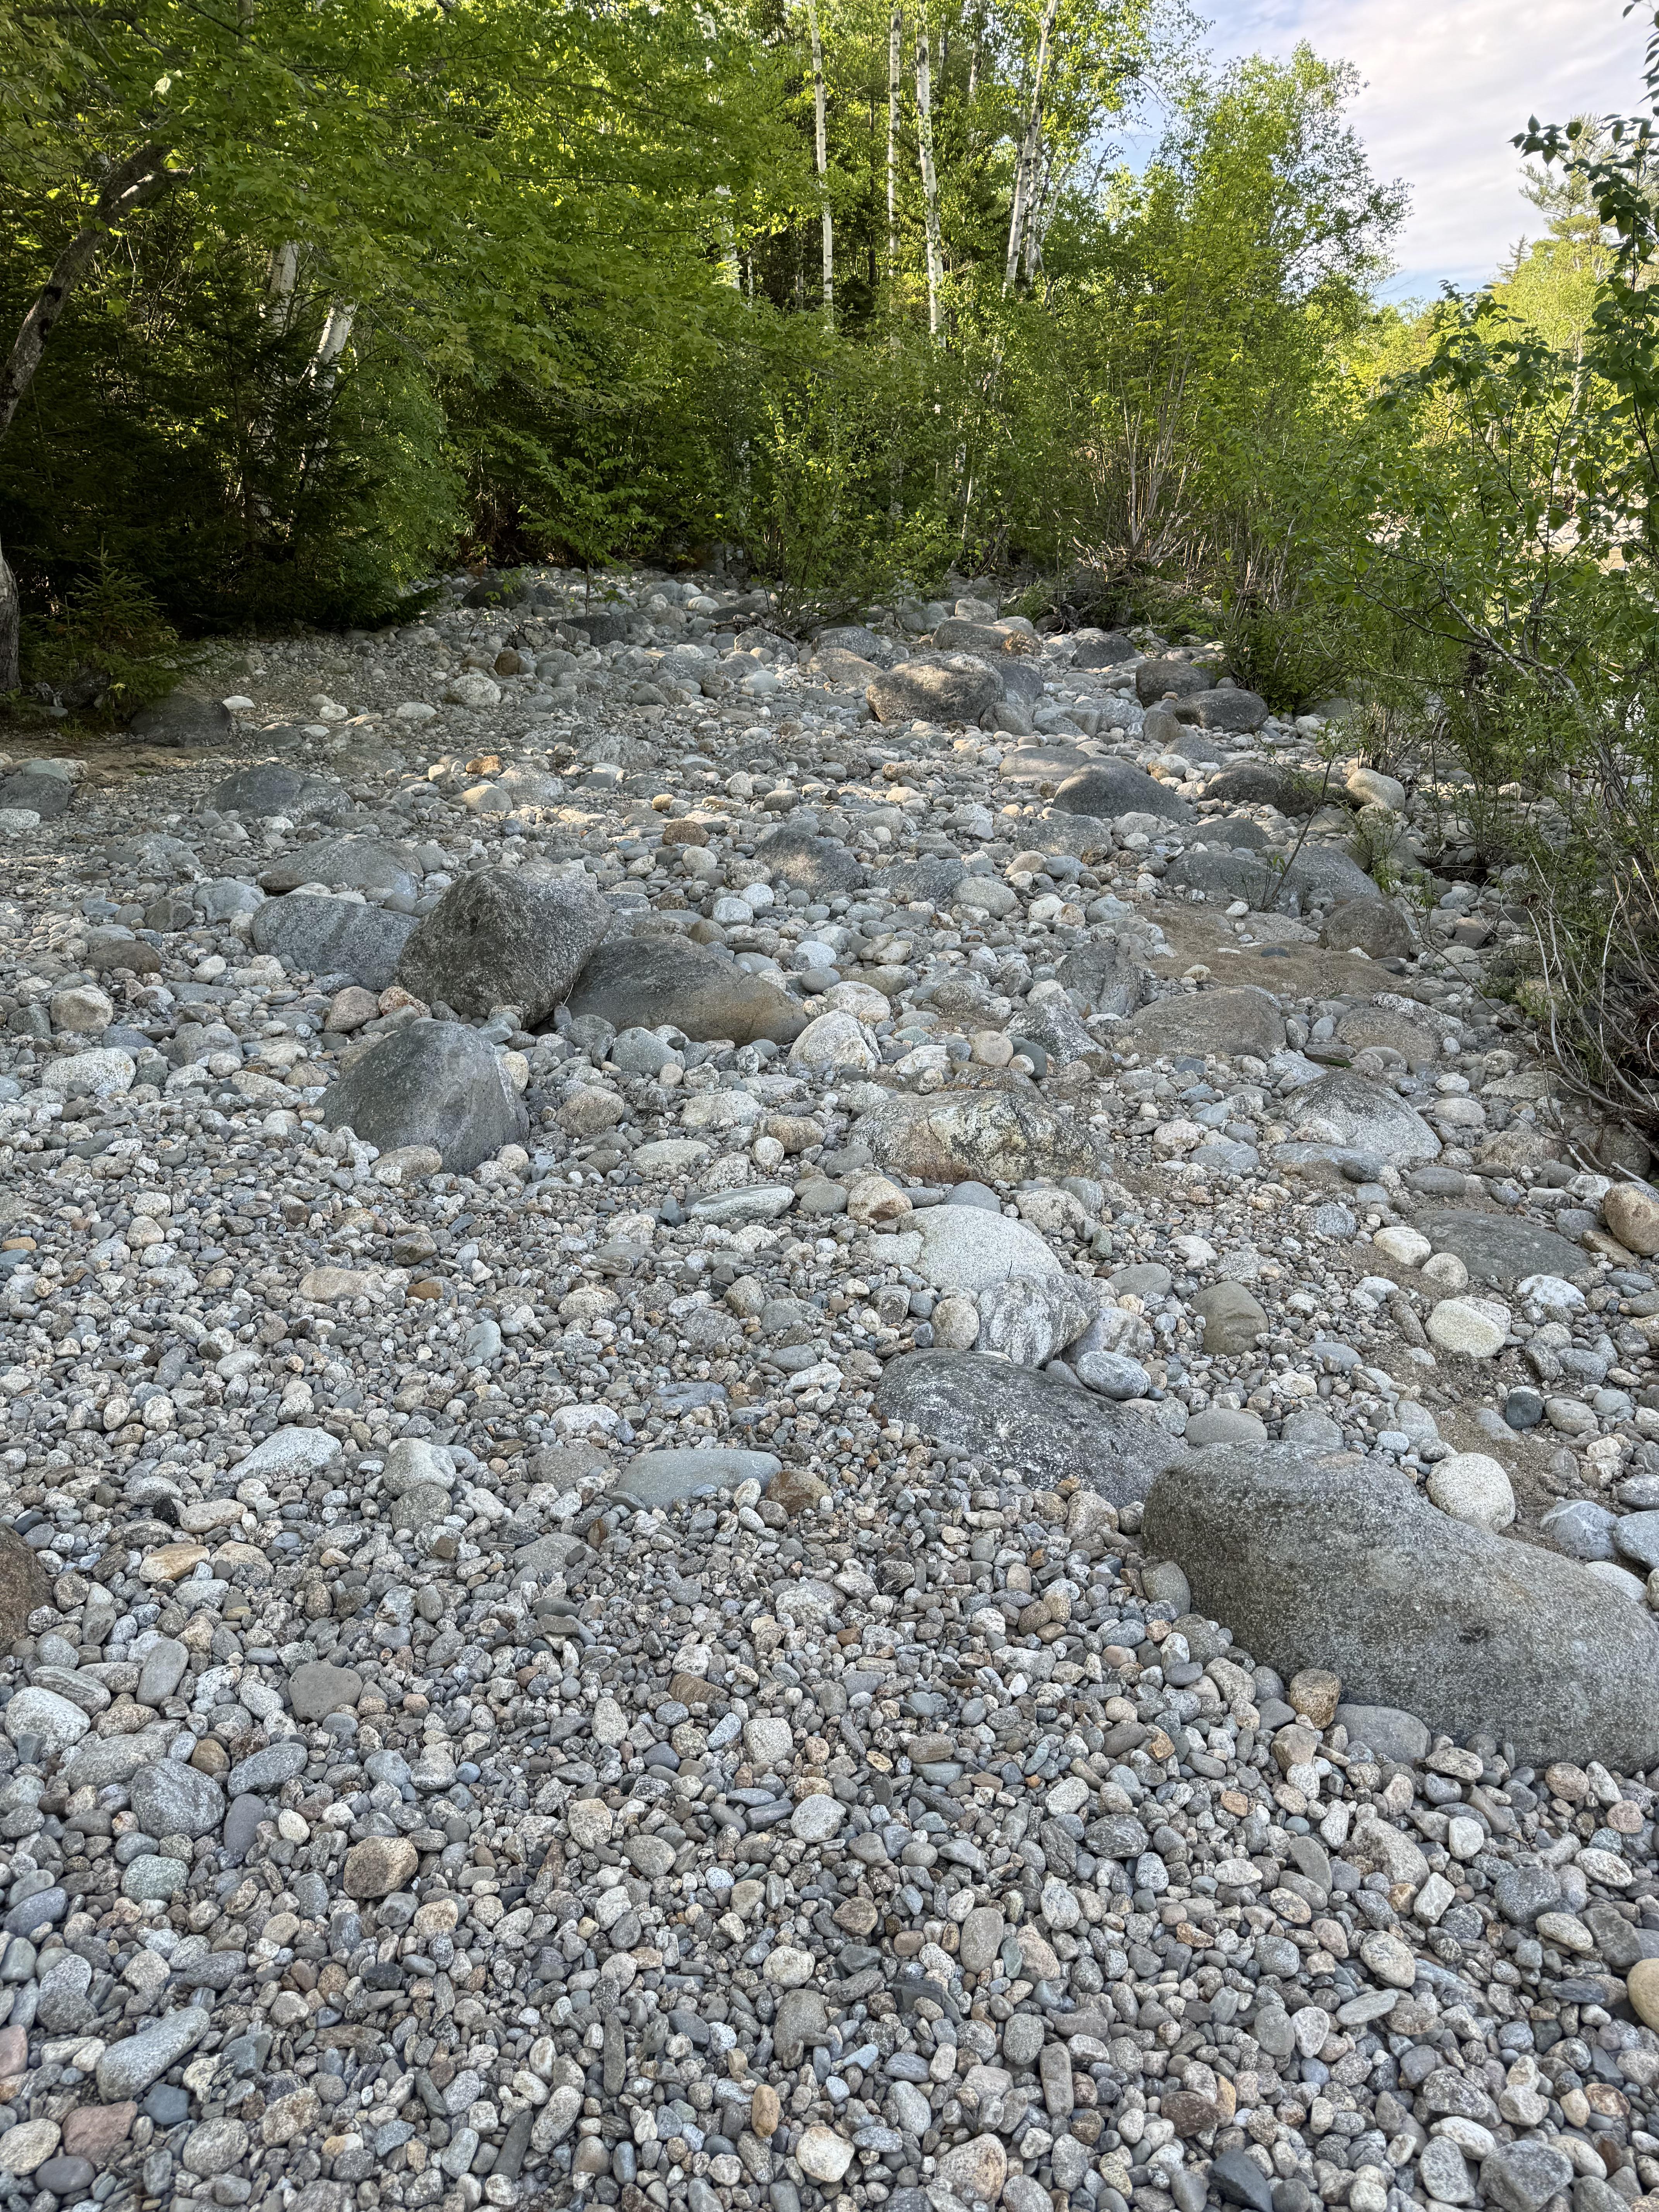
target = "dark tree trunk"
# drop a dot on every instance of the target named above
(9, 677)
(131, 184)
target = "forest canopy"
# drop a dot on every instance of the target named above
(856, 292)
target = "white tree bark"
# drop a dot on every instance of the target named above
(337, 333)
(281, 276)
(821, 160)
(730, 273)
(894, 35)
(1029, 159)
(929, 175)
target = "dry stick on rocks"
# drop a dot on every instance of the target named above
(142, 177)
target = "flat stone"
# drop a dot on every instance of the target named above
(66, 2177)
(269, 1768)
(646, 982)
(1637, 1535)
(664, 1478)
(1522, 2177)
(1582, 1529)
(1375, 927)
(214, 2147)
(286, 1453)
(1350, 1568)
(318, 935)
(1229, 1022)
(25, 2148)
(1477, 1327)
(127, 2068)
(1109, 788)
(815, 1819)
(318, 1689)
(981, 1939)
(824, 2155)
(1221, 1425)
(153, 1879)
(93, 2131)
(943, 687)
(1362, 1115)
(24, 1584)
(348, 863)
(181, 719)
(43, 1713)
(269, 788)
(1472, 1486)
(994, 1136)
(1001, 1415)
(969, 1250)
(1499, 1250)
(164, 1667)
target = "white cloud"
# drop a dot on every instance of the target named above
(1446, 89)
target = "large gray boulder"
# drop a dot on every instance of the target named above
(1318, 875)
(1185, 679)
(991, 641)
(1243, 1020)
(1003, 1415)
(1235, 713)
(506, 937)
(855, 638)
(1108, 977)
(1047, 760)
(1375, 927)
(954, 687)
(1313, 1564)
(806, 863)
(843, 671)
(180, 718)
(1499, 1249)
(430, 1083)
(269, 788)
(934, 878)
(980, 1136)
(644, 982)
(1107, 789)
(348, 863)
(322, 936)
(1265, 783)
(39, 788)
(1364, 1116)
(1108, 650)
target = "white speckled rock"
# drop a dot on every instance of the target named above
(967, 1250)
(1475, 1326)
(1472, 1487)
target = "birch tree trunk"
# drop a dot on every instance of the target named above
(929, 176)
(281, 275)
(132, 184)
(821, 160)
(895, 34)
(337, 333)
(730, 273)
(1030, 151)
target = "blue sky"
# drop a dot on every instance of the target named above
(1446, 88)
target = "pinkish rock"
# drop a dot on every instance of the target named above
(95, 2130)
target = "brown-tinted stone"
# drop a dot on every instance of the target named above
(23, 1584)
(95, 2130)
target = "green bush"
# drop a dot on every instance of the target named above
(176, 433)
